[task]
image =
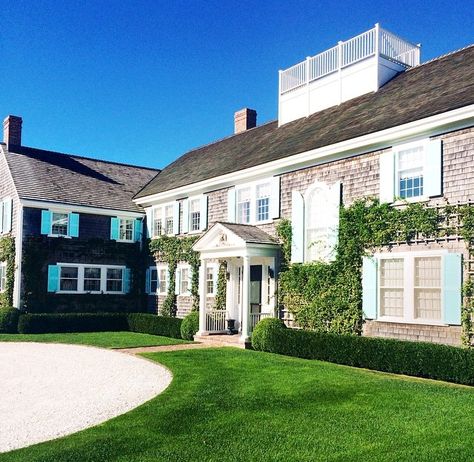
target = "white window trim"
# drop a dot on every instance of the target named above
(215, 271)
(253, 201)
(408, 275)
(396, 152)
(190, 199)
(3, 266)
(80, 278)
(179, 268)
(125, 217)
(68, 213)
(161, 207)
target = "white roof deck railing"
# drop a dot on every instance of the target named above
(374, 41)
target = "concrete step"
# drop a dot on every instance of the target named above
(221, 340)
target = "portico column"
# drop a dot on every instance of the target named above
(245, 298)
(202, 297)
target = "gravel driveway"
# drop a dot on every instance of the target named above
(52, 390)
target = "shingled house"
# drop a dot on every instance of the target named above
(78, 234)
(363, 119)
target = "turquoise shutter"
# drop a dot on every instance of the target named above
(231, 205)
(203, 222)
(275, 197)
(45, 222)
(452, 286)
(432, 176)
(387, 177)
(114, 228)
(137, 230)
(74, 224)
(176, 218)
(7, 215)
(53, 278)
(185, 216)
(148, 281)
(297, 227)
(126, 280)
(369, 287)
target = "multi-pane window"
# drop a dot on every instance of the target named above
(195, 215)
(114, 280)
(92, 279)
(184, 281)
(391, 287)
(210, 282)
(163, 280)
(68, 278)
(59, 223)
(410, 172)
(157, 222)
(243, 205)
(3, 276)
(263, 201)
(126, 229)
(153, 280)
(169, 210)
(428, 288)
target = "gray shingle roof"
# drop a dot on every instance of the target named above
(250, 234)
(69, 179)
(441, 85)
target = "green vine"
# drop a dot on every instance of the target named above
(284, 233)
(172, 250)
(328, 296)
(7, 254)
(221, 292)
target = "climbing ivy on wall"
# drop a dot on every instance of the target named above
(7, 254)
(221, 290)
(328, 296)
(172, 250)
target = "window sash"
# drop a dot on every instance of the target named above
(69, 279)
(184, 281)
(126, 229)
(3, 277)
(114, 280)
(410, 170)
(59, 223)
(163, 281)
(210, 283)
(92, 280)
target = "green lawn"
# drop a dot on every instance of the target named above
(99, 339)
(232, 405)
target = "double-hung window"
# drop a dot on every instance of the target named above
(243, 205)
(157, 280)
(6, 207)
(184, 281)
(169, 219)
(126, 229)
(114, 280)
(195, 215)
(92, 276)
(59, 224)
(212, 272)
(162, 280)
(410, 162)
(3, 276)
(157, 222)
(263, 202)
(69, 279)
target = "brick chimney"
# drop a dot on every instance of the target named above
(12, 130)
(244, 119)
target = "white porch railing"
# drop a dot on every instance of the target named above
(216, 320)
(255, 317)
(376, 40)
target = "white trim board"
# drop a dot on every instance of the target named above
(430, 126)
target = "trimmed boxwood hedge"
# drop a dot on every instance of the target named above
(190, 325)
(99, 322)
(155, 325)
(9, 320)
(428, 360)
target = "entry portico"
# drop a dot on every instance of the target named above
(252, 257)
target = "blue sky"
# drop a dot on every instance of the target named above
(144, 81)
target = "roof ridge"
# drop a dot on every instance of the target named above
(77, 156)
(441, 57)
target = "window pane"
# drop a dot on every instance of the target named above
(243, 205)
(195, 214)
(169, 219)
(92, 279)
(163, 280)
(391, 287)
(59, 224)
(153, 280)
(263, 209)
(410, 172)
(184, 280)
(428, 288)
(126, 230)
(210, 281)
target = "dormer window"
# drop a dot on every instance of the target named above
(59, 223)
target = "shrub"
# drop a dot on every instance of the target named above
(155, 325)
(71, 322)
(190, 325)
(266, 332)
(9, 320)
(428, 360)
